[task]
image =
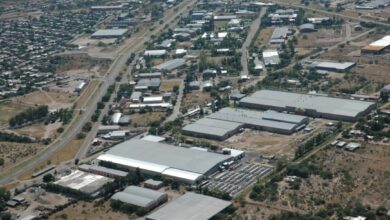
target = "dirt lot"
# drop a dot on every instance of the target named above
(143, 120)
(322, 38)
(195, 98)
(167, 85)
(45, 200)
(87, 210)
(39, 131)
(363, 174)
(267, 143)
(55, 100)
(13, 153)
(263, 37)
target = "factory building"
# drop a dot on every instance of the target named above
(377, 47)
(228, 121)
(179, 163)
(84, 182)
(190, 206)
(171, 64)
(279, 35)
(109, 33)
(333, 66)
(311, 105)
(141, 197)
(271, 57)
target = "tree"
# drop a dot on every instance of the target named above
(47, 178)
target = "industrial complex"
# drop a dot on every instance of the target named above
(317, 106)
(226, 122)
(190, 206)
(179, 163)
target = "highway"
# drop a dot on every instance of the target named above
(89, 109)
(245, 46)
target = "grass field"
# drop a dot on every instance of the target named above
(263, 37)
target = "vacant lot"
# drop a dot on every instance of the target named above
(195, 98)
(167, 85)
(321, 38)
(143, 120)
(55, 100)
(13, 153)
(8, 110)
(87, 210)
(263, 37)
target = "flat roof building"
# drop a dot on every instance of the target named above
(179, 163)
(311, 105)
(271, 57)
(109, 33)
(87, 183)
(333, 66)
(155, 53)
(227, 122)
(190, 206)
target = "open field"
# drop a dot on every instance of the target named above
(55, 100)
(143, 120)
(322, 38)
(263, 37)
(167, 85)
(9, 109)
(87, 210)
(14, 153)
(65, 154)
(195, 98)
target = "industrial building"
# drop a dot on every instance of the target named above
(317, 106)
(228, 121)
(279, 35)
(378, 46)
(84, 182)
(333, 66)
(190, 206)
(307, 28)
(146, 84)
(155, 53)
(271, 57)
(171, 64)
(109, 33)
(103, 171)
(141, 197)
(179, 163)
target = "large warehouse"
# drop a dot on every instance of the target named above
(190, 206)
(182, 164)
(226, 122)
(311, 105)
(378, 46)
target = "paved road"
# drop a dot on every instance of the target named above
(245, 46)
(348, 32)
(137, 48)
(176, 108)
(113, 72)
(331, 13)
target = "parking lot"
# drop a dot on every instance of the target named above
(234, 181)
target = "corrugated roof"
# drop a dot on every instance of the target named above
(190, 206)
(322, 104)
(158, 157)
(109, 32)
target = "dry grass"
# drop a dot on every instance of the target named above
(195, 98)
(167, 85)
(143, 120)
(86, 210)
(8, 110)
(65, 154)
(263, 37)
